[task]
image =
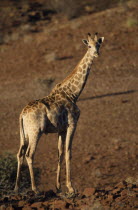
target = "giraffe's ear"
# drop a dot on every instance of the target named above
(100, 40)
(85, 41)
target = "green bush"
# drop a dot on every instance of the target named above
(8, 170)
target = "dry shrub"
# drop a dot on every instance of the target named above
(70, 8)
(8, 170)
(131, 22)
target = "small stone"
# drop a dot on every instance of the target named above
(118, 199)
(124, 193)
(59, 204)
(108, 188)
(16, 197)
(45, 203)
(88, 159)
(115, 191)
(50, 57)
(121, 185)
(110, 198)
(130, 185)
(26, 208)
(21, 203)
(36, 205)
(89, 191)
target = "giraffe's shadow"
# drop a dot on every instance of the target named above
(108, 95)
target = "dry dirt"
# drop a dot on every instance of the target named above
(33, 58)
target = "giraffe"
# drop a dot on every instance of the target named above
(56, 113)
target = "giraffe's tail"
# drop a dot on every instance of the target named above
(23, 142)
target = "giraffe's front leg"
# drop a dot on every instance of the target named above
(69, 138)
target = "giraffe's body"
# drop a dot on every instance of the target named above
(56, 113)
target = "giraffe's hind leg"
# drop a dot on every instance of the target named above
(20, 159)
(33, 141)
(61, 142)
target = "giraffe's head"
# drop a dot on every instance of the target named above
(93, 44)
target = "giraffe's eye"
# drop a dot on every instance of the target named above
(89, 46)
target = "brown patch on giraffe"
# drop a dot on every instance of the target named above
(84, 66)
(79, 75)
(69, 85)
(40, 105)
(76, 77)
(64, 89)
(80, 69)
(72, 81)
(58, 97)
(76, 82)
(73, 88)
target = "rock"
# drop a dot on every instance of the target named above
(27, 207)
(108, 188)
(88, 159)
(59, 204)
(118, 199)
(36, 205)
(50, 57)
(115, 191)
(45, 203)
(21, 204)
(130, 185)
(110, 198)
(89, 191)
(124, 193)
(121, 185)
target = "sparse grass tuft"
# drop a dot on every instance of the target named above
(131, 22)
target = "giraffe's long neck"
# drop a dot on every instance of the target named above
(75, 82)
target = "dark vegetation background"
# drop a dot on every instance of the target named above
(40, 43)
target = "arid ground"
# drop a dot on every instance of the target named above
(37, 52)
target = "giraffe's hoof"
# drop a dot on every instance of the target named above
(37, 192)
(70, 195)
(59, 190)
(16, 190)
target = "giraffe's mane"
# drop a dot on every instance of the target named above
(70, 75)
